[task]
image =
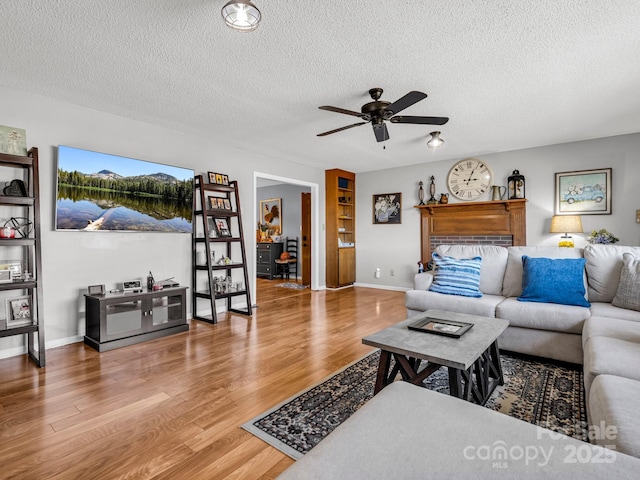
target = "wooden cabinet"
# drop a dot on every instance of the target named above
(266, 255)
(115, 320)
(340, 189)
(21, 264)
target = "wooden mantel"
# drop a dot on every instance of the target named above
(499, 217)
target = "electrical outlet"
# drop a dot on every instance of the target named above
(377, 274)
(392, 272)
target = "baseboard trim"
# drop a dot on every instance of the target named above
(381, 287)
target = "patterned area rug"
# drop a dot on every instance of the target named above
(545, 394)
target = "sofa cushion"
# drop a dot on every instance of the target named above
(600, 309)
(613, 410)
(454, 276)
(422, 301)
(628, 294)
(604, 263)
(548, 280)
(610, 356)
(494, 262)
(543, 316)
(610, 327)
(512, 285)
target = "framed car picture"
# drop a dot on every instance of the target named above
(583, 192)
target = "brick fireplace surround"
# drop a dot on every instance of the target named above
(500, 222)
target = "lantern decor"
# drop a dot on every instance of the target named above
(432, 192)
(516, 186)
(421, 193)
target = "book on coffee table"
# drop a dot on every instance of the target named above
(439, 326)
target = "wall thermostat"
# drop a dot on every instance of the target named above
(132, 286)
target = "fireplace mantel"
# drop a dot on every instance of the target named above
(498, 217)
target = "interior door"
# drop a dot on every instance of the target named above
(306, 238)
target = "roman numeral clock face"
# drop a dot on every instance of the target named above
(470, 179)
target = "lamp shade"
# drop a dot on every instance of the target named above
(241, 15)
(566, 224)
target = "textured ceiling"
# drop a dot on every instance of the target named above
(510, 75)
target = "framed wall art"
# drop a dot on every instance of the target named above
(218, 178)
(271, 215)
(583, 192)
(387, 208)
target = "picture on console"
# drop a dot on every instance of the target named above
(102, 192)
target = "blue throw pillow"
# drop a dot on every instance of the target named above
(558, 280)
(456, 276)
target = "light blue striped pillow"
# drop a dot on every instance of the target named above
(456, 276)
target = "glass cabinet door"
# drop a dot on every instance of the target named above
(123, 320)
(165, 311)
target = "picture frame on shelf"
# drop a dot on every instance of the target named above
(223, 227)
(218, 178)
(227, 204)
(96, 289)
(215, 203)
(387, 208)
(18, 311)
(213, 231)
(583, 192)
(225, 180)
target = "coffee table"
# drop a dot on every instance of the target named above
(473, 360)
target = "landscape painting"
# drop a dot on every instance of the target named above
(102, 192)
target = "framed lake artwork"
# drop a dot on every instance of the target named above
(583, 192)
(387, 208)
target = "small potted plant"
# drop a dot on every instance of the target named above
(602, 236)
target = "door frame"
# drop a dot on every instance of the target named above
(315, 222)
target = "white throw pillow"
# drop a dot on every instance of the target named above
(628, 294)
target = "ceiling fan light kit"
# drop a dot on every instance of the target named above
(378, 111)
(241, 15)
(435, 141)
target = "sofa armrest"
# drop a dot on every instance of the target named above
(422, 281)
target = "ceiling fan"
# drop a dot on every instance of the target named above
(378, 111)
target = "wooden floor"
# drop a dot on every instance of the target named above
(171, 408)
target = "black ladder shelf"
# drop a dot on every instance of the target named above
(206, 215)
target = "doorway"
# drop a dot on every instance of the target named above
(300, 218)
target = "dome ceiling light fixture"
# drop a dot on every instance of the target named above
(241, 15)
(435, 140)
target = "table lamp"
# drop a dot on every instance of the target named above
(566, 224)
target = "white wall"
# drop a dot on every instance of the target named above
(397, 247)
(73, 260)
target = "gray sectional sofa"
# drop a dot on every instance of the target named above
(410, 432)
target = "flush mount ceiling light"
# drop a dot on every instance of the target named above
(240, 15)
(435, 140)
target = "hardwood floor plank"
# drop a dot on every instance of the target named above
(172, 408)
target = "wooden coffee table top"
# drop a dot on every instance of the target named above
(458, 353)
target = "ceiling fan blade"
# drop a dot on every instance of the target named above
(340, 129)
(420, 120)
(380, 131)
(405, 102)
(340, 110)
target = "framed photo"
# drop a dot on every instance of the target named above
(583, 192)
(213, 231)
(216, 203)
(95, 289)
(218, 178)
(439, 326)
(387, 208)
(271, 215)
(18, 311)
(13, 140)
(225, 180)
(223, 227)
(227, 204)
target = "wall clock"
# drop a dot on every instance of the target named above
(470, 179)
